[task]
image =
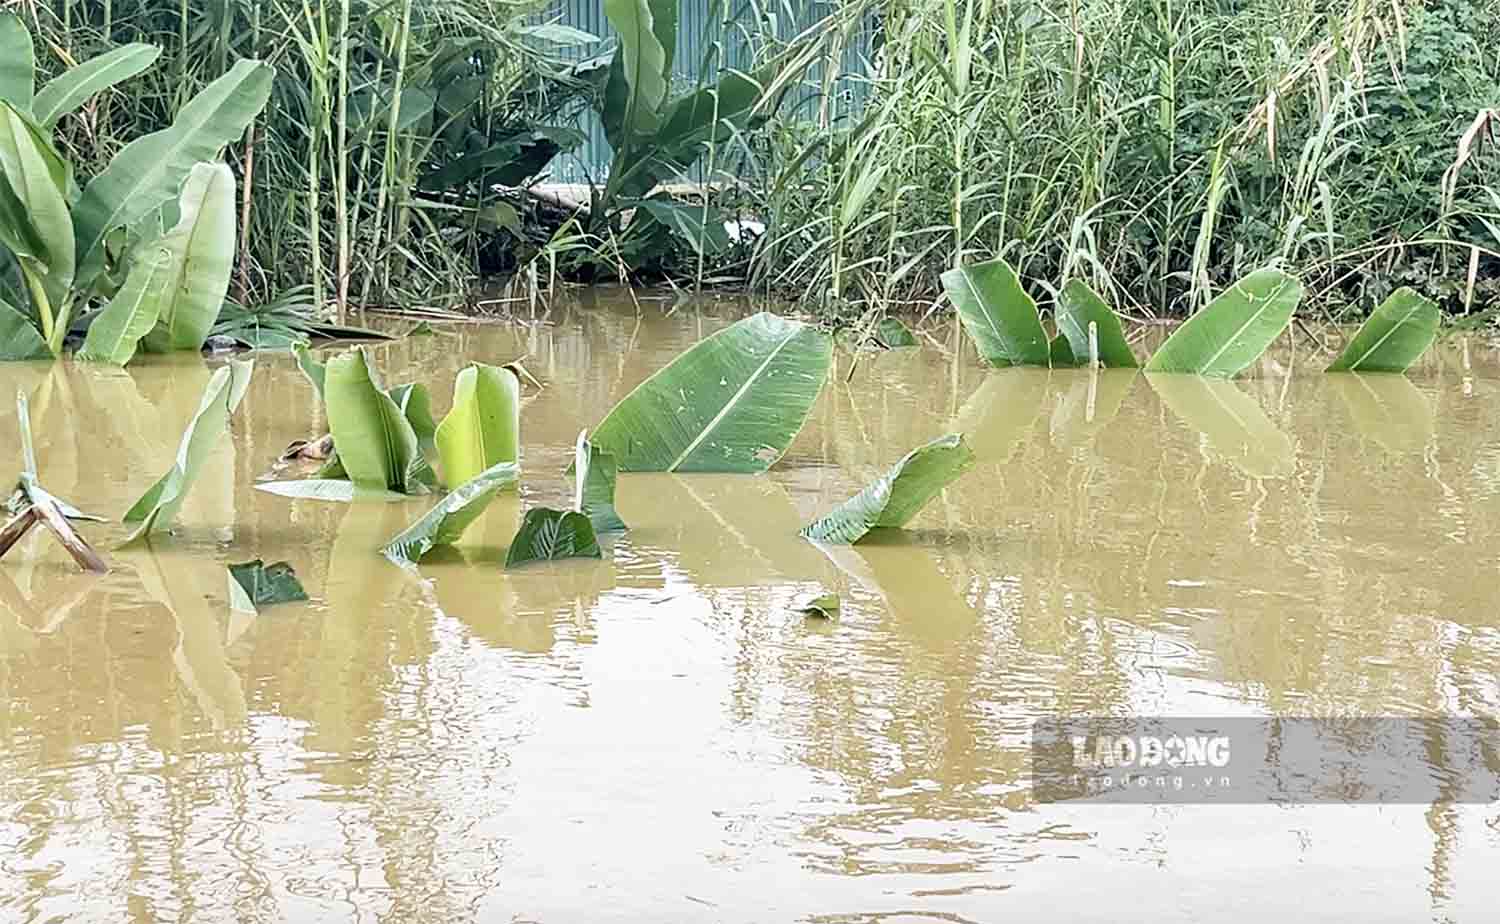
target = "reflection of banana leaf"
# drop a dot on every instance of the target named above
(518, 609)
(23, 619)
(919, 598)
(722, 530)
(1001, 412)
(184, 586)
(1386, 408)
(1230, 420)
(1092, 400)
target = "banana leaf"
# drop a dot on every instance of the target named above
(377, 446)
(261, 584)
(72, 88)
(416, 406)
(16, 230)
(483, 428)
(1233, 330)
(731, 403)
(19, 338)
(158, 506)
(118, 330)
(637, 85)
(893, 499)
(998, 314)
(200, 253)
(150, 170)
(310, 366)
(594, 472)
(1394, 335)
(39, 179)
(1077, 307)
(550, 535)
(336, 490)
(893, 334)
(445, 523)
(17, 61)
(1230, 421)
(701, 226)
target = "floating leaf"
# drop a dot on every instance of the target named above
(158, 506)
(998, 314)
(267, 585)
(337, 490)
(1078, 307)
(594, 473)
(376, 444)
(549, 535)
(896, 496)
(445, 523)
(821, 605)
(1233, 330)
(483, 428)
(731, 403)
(1231, 421)
(1394, 335)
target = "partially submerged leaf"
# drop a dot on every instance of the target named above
(1077, 307)
(336, 490)
(822, 605)
(483, 428)
(897, 496)
(377, 446)
(416, 407)
(158, 506)
(998, 314)
(594, 471)
(445, 523)
(1394, 335)
(731, 403)
(1233, 330)
(267, 585)
(549, 535)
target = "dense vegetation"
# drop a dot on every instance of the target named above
(1156, 150)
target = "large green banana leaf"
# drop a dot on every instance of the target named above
(17, 233)
(1231, 421)
(445, 523)
(130, 315)
(549, 535)
(732, 403)
(200, 259)
(311, 366)
(483, 428)
(1233, 330)
(17, 61)
(594, 471)
(39, 179)
(150, 170)
(19, 338)
(73, 87)
(998, 314)
(1394, 335)
(897, 496)
(637, 86)
(416, 406)
(377, 446)
(159, 505)
(1079, 306)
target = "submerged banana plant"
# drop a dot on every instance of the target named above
(446, 522)
(159, 505)
(66, 246)
(998, 314)
(1393, 336)
(893, 499)
(731, 403)
(483, 428)
(1234, 329)
(548, 535)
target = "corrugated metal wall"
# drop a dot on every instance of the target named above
(698, 22)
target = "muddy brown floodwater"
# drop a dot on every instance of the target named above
(655, 737)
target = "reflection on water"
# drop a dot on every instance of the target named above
(657, 736)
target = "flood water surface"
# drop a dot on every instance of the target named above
(657, 736)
